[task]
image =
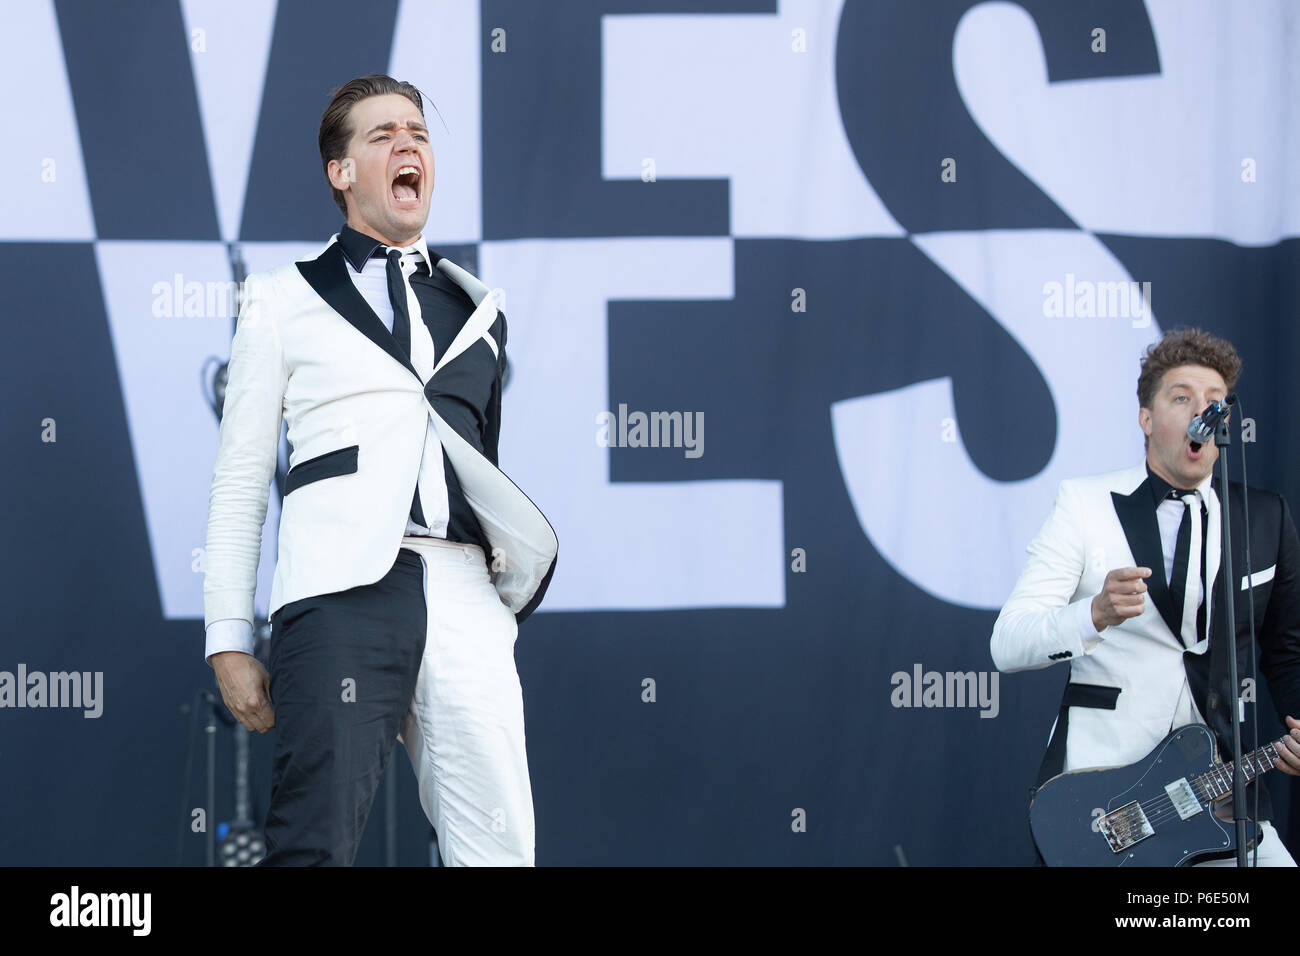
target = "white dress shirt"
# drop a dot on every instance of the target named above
(236, 634)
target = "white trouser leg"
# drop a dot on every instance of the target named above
(464, 731)
(1271, 851)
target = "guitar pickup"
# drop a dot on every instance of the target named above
(1124, 827)
(1185, 802)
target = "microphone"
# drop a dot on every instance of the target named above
(1202, 428)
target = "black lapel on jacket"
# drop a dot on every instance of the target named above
(327, 274)
(1137, 516)
(1263, 540)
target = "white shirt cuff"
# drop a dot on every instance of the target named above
(229, 634)
(1089, 636)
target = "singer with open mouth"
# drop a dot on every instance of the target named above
(407, 559)
(1114, 588)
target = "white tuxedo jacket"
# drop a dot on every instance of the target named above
(309, 348)
(1125, 686)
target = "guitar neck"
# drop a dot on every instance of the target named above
(1217, 783)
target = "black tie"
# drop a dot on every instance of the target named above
(402, 335)
(1178, 576)
(397, 293)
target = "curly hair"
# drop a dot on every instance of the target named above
(336, 125)
(1186, 347)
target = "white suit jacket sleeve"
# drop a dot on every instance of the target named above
(246, 458)
(1039, 625)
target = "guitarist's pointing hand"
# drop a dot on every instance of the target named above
(1123, 595)
(1288, 749)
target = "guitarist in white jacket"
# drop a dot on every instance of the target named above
(1113, 589)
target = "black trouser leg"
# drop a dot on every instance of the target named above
(343, 670)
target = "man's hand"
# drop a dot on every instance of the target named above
(246, 689)
(1288, 749)
(1123, 595)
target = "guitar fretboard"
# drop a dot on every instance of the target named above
(1217, 782)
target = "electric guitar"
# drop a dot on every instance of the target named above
(1168, 809)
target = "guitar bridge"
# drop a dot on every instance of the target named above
(1125, 827)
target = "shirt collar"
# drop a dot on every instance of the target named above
(358, 246)
(1160, 488)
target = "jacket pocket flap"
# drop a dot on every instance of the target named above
(342, 461)
(1090, 695)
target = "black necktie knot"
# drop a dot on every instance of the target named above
(394, 255)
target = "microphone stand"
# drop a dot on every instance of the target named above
(215, 711)
(210, 734)
(243, 824)
(1223, 439)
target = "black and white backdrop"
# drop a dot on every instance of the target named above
(894, 261)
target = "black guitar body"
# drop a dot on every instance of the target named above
(1070, 826)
